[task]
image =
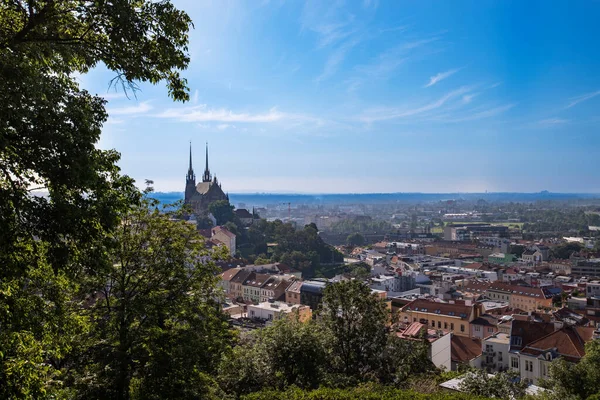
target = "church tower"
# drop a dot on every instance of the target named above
(190, 180)
(206, 177)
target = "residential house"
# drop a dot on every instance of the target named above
(273, 289)
(465, 351)
(245, 217)
(483, 326)
(532, 256)
(292, 293)
(271, 311)
(453, 316)
(567, 343)
(222, 235)
(236, 283)
(522, 333)
(226, 278)
(253, 285)
(495, 352)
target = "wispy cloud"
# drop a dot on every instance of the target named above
(370, 3)
(195, 97)
(488, 113)
(334, 60)
(394, 113)
(223, 127)
(553, 121)
(202, 113)
(468, 97)
(328, 20)
(441, 76)
(576, 100)
(140, 108)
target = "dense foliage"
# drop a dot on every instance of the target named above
(347, 344)
(363, 225)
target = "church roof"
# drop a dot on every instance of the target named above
(203, 187)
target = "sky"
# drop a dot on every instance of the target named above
(373, 96)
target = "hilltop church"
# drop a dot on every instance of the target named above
(199, 196)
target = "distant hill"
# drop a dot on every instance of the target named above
(261, 199)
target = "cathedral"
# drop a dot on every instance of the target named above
(199, 196)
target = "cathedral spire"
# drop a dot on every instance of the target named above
(206, 177)
(190, 174)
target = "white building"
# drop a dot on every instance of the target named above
(495, 349)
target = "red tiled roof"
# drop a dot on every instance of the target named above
(222, 229)
(569, 342)
(464, 349)
(432, 307)
(230, 274)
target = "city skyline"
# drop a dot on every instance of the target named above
(373, 96)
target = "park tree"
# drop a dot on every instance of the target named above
(357, 321)
(48, 131)
(222, 211)
(503, 385)
(355, 239)
(577, 381)
(156, 326)
(287, 353)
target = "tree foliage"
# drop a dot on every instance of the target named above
(355, 239)
(222, 211)
(357, 321)
(48, 130)
(156, 324)
(577, 381)
(503, 385)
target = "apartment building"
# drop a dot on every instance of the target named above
(455, 317)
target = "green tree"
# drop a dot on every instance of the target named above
(157, 327)
(355, 239)
(287, 353)
(577, 381)
(503, 385)
(48, 131)
(222, 211)
(564, 251)
(357, 322)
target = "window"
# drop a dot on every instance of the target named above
(252, 313)
(462, 328)
(439, 324)
(445, 325)
(499, 356)
(432, 323)
(490, 330)
(514, 362)
(451, 326)
(544, 369)
(477, 328)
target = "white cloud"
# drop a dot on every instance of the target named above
(441, 76)
(553, 121)
(576, 100)
(223, 127)
(491, 112)
(468, 97)
(387, 114)
(334, 60)
(195, 97)
(140, 108)
(202, 113)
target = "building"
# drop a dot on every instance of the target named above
(483, 326)
(273, 289)
(586, 267)
(495, 350)
(532, 256)
(523, 297)
(471, 232)
(311, 293)
(226, 278)
(452, 316)
(592, 289)
(501, 258)
(245, 217)
(271, 311)
(534, 359)
(236, 284)
(293, 294)
(223, 236)
(199, 196)
(465, 351)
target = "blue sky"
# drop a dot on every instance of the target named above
(374, 96)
